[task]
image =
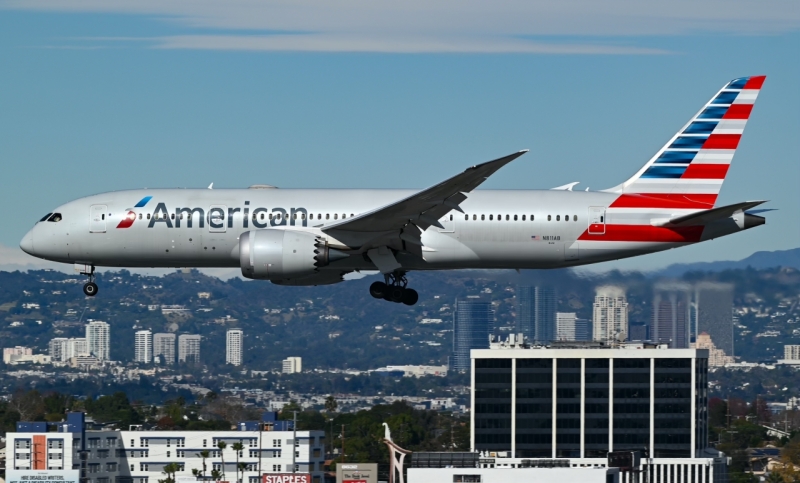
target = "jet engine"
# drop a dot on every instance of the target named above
(284, 254)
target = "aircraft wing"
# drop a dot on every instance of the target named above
(707, 216)
(400, 220)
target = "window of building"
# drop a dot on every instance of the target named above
(217, 466)
(276, 443)
(103, 479)
(94, 467)
(111, 467)
(23, 456)
(168, 454)
(144, 442)
(111, 442)
(277, 468)
(94, 442)
(54, 456)
(254, 453)
(168, 442)
(132, 468)
(144, 467)
(467, 479)
(205, 443)
(55, 443)
(132, 444)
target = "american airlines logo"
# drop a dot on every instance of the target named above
(217, 217)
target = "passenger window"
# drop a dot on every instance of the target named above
(451, 217)
(140, 216)
(483, 217)
(566, 217)
(148, 216)
(601, 220)
(302, 216)
(523, 217)
(574, 217)
(507, 218)
(474, 217)
(515, 217)
(344, 215)
(57, 217)
(336, 216)
(549, 217)
(45, 217)
(531, 217)
(172, 216)
(103, 216)
(491, 217)
(327, 216)
(295, 216)
(558, 217)
(352, 215)
(499, 217)
(466, 217)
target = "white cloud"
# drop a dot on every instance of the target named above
(441, 26)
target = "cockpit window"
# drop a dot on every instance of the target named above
(55, 218)
(45, 217)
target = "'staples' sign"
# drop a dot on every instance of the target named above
(286, 478)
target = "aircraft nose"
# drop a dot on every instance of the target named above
(27, 243)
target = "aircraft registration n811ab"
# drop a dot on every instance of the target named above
(316, 236)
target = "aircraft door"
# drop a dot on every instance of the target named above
(97, 218)
(449, 224)
(216, 218)
(597, 220)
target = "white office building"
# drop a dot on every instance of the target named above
(292, 365)
(143, 347)
(188, 348)
(164, 348)
(233, 347)
(97, 339)
(140, 456)
(610, 314)
(791, 352)
(570, 328)
(62, 349)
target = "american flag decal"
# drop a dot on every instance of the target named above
(535, 238)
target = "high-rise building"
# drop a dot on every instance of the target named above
(233, 347)
(610, 314)
(473, 319)
(143, 346)
(536, 313)
(585, 401)
(292, 365)
(164, 348)
(97, 339)
(569, 327)
(188, 348)
(62, 349)
(714, 307)
(791, 352)
(638, 332)
(671, 317)
(716, 358)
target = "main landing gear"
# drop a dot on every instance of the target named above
(90, 288)
(394, 289)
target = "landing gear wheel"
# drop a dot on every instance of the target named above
(396, 293)
(90, 289)
(410, 296)
(378, 290)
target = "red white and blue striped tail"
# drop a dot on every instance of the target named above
(689, 170)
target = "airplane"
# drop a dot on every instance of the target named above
(317, 236)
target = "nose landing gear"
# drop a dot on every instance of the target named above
(89, 288)
(394, 289)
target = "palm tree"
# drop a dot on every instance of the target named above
(170, 470)
(204, 454)
(241, 467)
(216, 475)
(196, 473)
(330, 404)
(222, 445)
(238, 447)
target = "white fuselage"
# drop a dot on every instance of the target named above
(497, 229)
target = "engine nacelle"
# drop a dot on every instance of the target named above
(283, 254)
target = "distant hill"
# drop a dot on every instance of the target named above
(758, 260)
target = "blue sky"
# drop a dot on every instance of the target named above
(98, 96)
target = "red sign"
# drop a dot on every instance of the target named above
(354, 481)
(287, 478)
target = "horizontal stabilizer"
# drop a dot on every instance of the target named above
(707, 216)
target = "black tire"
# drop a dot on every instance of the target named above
(90, 289)
(410, 296)
(396, 294)
(377, 290)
